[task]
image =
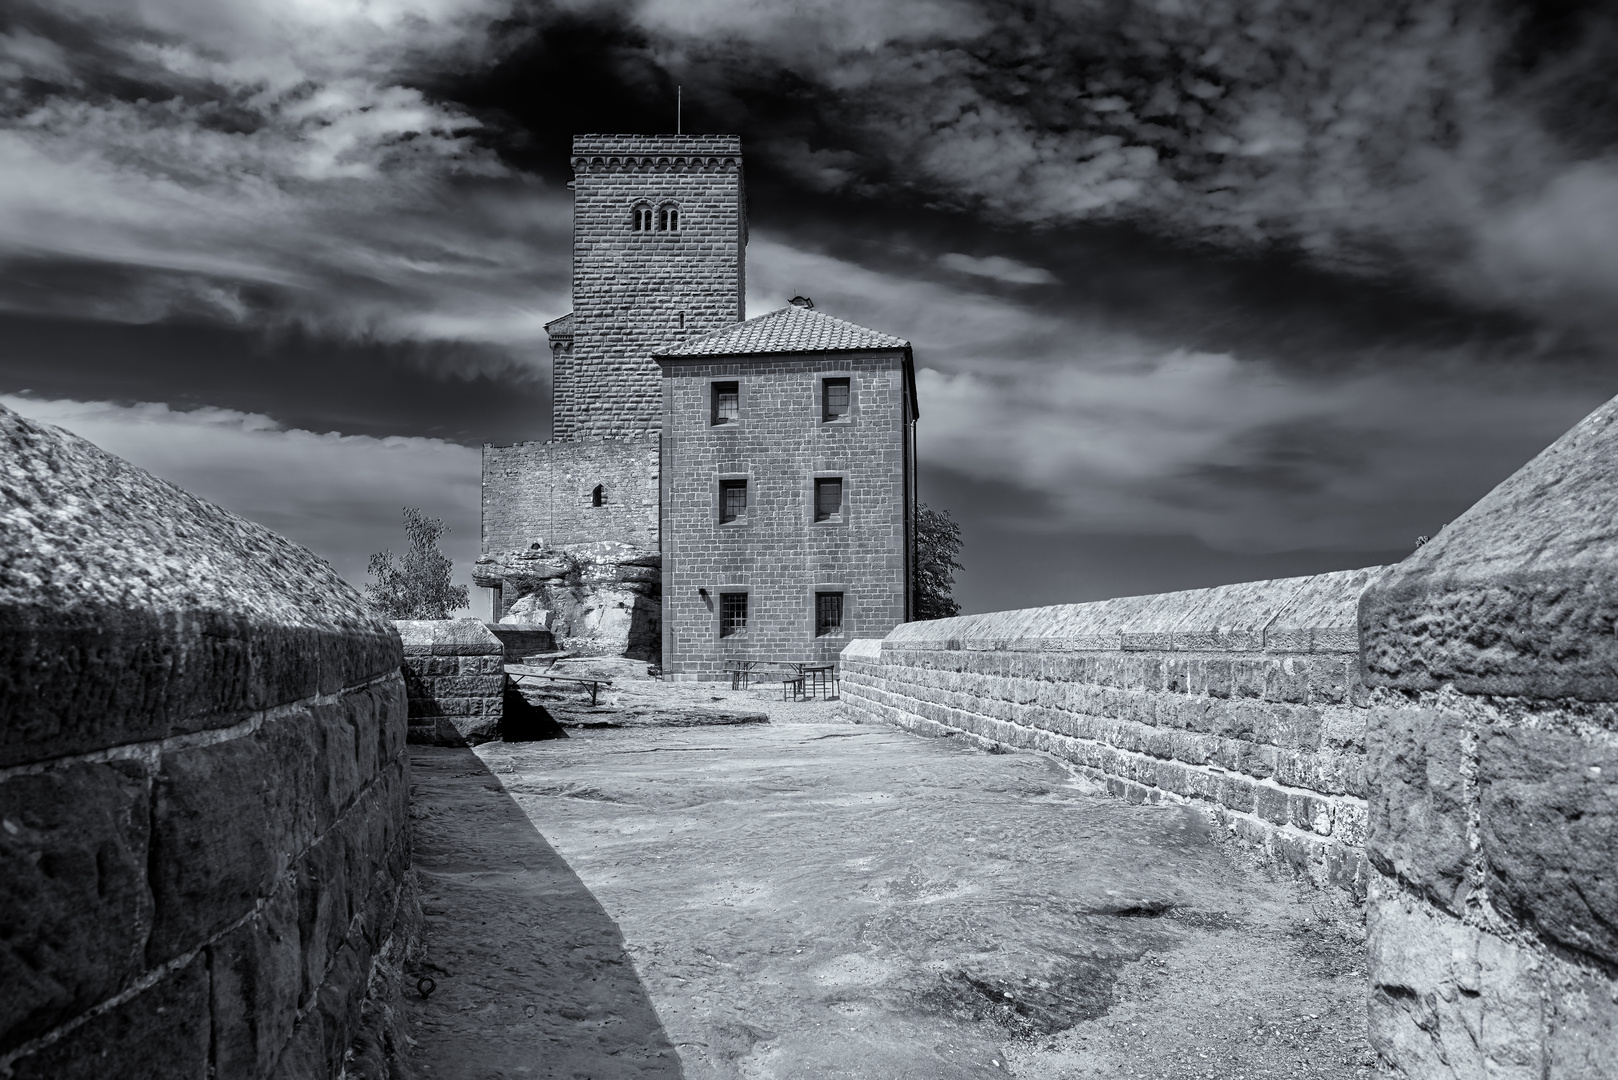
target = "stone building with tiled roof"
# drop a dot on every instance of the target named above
(770, 462)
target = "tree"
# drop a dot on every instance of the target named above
(938, 542)
(416, 585)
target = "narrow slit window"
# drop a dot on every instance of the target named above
(732, 500)
(828, 498)
(598, 497)
(732, 613)
(643, 218)
(828, 613)
(668, 219)
(727, 401)
(833, 399)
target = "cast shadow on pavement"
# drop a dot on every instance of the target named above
(532, 977)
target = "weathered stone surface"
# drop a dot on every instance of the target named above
(255, 982)
(1323, 614)
(1518, 596)
(159, 1034)
(74, 907)
(447, 637)
(267, 703)
(1419, 802)
(1449, 1001)
(1548, 815)
(131, 610)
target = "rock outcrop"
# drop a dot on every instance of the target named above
(603, 598)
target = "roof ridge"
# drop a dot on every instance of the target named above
(803, 330)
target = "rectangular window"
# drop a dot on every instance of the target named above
(726, 402)
(833, 399)
(732, 613)
(828, 613)
(732, 500)
(828, 498)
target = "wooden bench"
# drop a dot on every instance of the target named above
(532, 673)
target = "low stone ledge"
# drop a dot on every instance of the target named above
(455, 677)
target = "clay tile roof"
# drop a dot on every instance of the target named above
(789, 330)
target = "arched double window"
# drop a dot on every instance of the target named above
(643, 217)
(668, 218)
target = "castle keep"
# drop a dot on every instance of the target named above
(766, 466)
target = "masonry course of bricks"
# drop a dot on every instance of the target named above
(455, 679)
(779, 554)
(637, 292)
(205, 854)
(541, 493)
(1242, 699)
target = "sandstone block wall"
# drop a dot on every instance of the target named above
(1245, 698)
(455, 677)
(636, 292)
(203, 787)
(541, 492)
(777, 553)
(1493, 780)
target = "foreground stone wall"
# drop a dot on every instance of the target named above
(1244, 698)
(203, 787)
(1493, 752)
(455, 676)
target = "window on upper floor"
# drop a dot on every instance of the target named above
(668, 218)
(732, 613)
(643, 217)
(598, 497)
(828, 613)
(828, 497)
(833, 399)
(732, 500)
(727, 401)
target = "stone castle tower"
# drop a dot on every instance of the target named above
(659, 257)
(714, 488)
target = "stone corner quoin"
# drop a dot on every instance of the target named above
(203, 781)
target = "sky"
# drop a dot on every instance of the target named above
(1199, 292)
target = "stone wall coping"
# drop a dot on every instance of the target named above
(1315, 614)
(1518, 596)
(131, 610)
(448, 637)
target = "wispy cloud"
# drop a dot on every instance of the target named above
(270, 162)
(1118, 431)
(338, 495)
(997, 267)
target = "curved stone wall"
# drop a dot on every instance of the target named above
(1243, 698)
(1493, 757)
(203, 786)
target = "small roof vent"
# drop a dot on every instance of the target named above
(803, 302)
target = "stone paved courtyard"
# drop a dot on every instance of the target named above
(816, 898)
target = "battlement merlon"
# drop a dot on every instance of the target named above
(632, 151)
